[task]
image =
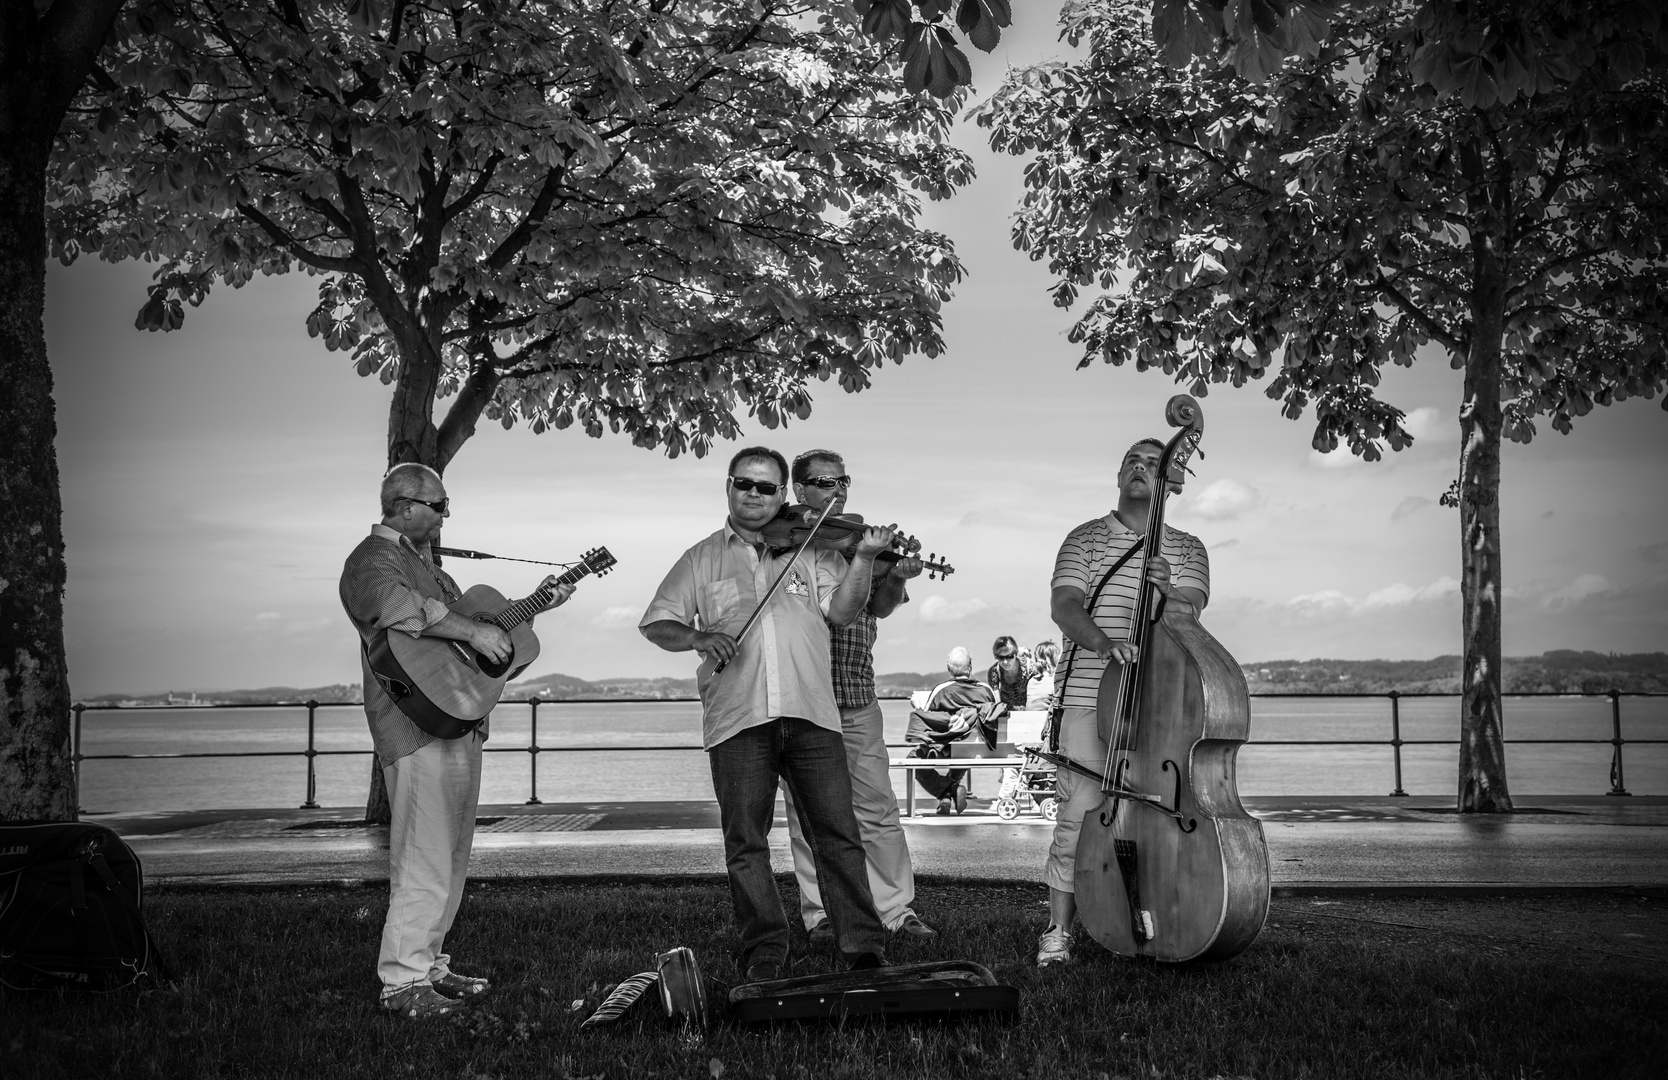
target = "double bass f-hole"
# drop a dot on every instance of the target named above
(1120, 789)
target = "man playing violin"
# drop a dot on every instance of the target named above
(1181, 572)
(391, 583)
(770, 713)
(820, 479)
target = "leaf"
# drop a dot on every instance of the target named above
(1184, 29)
(982, 21)
(715, 1069)
(887, 19)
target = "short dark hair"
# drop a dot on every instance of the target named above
(1005, 642)
(1147, 442)
(802, 463)
(761, 453)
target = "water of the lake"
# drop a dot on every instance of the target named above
(590, 752)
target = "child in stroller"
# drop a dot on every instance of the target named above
(1030, 785)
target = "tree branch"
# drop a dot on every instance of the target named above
(300, 252)
(1452, 342)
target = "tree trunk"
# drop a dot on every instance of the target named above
(37, 774)
(1482, 756)
(412, 437)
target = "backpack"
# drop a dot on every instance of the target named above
(70, 910)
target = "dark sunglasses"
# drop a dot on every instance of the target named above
(827, 482)
(437, 507)
(763, 487)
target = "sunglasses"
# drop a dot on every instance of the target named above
(827, 482)
(763, 487)
(437, 507)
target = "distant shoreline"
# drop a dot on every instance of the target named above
(1559, 671)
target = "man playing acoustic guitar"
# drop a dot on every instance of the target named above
(390, 583)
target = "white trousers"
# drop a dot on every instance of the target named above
(885, 851)
(432, 793)
(1078, 795)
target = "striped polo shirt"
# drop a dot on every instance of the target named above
(1089, 551)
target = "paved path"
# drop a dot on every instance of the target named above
(1337, 843)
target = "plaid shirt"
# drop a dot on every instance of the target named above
(853, 664)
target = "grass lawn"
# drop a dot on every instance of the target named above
(280, 983)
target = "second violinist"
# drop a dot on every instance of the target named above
(820, 479)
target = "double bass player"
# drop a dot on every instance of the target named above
(1180, 570)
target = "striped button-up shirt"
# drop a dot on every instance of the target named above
(1089, 551)
(389, 584)
(782, 667)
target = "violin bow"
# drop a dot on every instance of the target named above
(751, 619)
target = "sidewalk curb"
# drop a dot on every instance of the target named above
(1429, 890)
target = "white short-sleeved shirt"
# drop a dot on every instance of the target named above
(1088, 552)
(782, 667)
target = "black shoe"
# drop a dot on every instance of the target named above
(764, 971)
(961, 800)
(822, 935)
(867, 961)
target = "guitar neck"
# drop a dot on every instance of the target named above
(525, 608)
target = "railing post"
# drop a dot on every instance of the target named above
(75, 755)
(1616, 785)
(533, 750)
(1396, 738)
(312, 777)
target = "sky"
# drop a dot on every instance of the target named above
(215, 477)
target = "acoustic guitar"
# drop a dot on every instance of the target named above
(447, 688)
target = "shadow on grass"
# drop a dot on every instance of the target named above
(279, 983)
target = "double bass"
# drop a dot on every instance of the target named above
(1171, 866)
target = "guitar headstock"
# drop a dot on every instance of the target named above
(598, 561)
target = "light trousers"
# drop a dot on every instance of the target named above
(885, 851)
(1078, 795)
(432, 793)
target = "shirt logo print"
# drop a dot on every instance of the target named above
(796, 584)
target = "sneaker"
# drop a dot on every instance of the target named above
(1054, 947)
(914, 927)
(867, 961)
(822, 934)
(421, 1003)
(764, 971)
(453, 985)
(944, 806)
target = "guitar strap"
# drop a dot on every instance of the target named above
(1059, 708)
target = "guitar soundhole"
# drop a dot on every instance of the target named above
(491, 669)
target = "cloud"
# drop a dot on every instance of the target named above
(1219, 545)
(1331, 605)
(1410, 505)
(1427, 423)
(1399, 595)
(1340, 458)
(936, 609)
(1224, 500)
(1655, 553)
(614, 618)
(268, 616)
(1582, 588)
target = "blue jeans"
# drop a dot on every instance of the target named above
(812, 762)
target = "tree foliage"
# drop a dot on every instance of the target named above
(633, 216)
(1485, 178)
(1329, 222)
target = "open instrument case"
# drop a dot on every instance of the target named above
(945, 990)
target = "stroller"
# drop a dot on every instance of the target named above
(1029, 786)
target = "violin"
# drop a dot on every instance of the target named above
(792, 526)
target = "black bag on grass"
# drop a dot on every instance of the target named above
(70, 918)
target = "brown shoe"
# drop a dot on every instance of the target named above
(915, 928)
(421, 1003)
(821, 936)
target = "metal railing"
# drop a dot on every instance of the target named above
(533, 749)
